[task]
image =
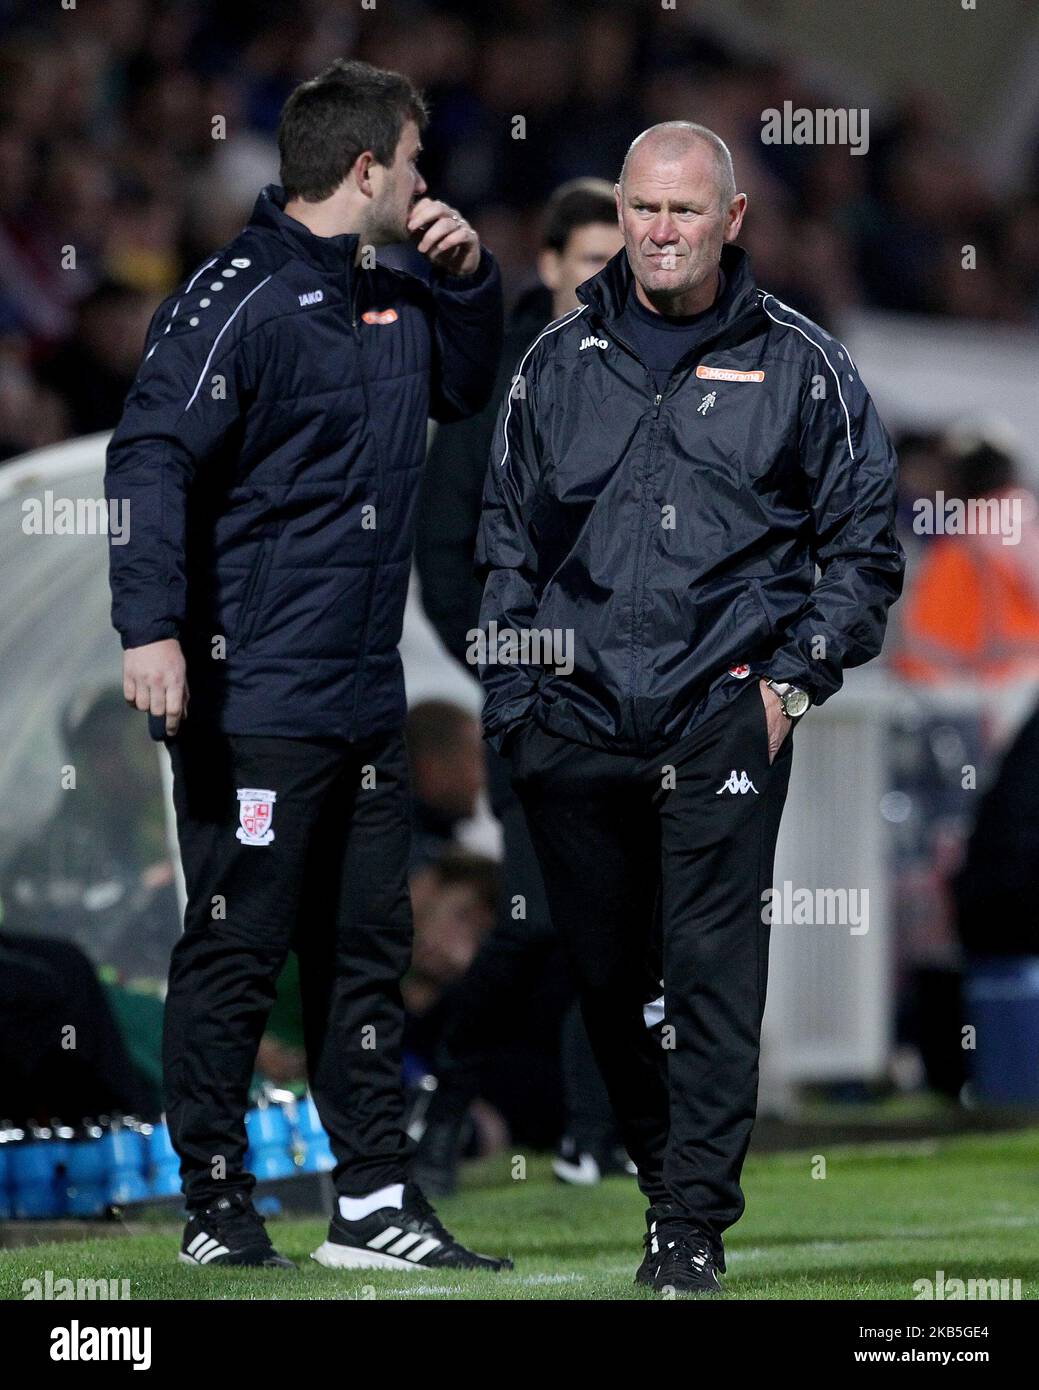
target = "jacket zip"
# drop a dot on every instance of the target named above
(642, 550)
(642, 545)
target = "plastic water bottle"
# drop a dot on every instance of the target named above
(87, 1170)
(125, 1151)
(270, 1142)
(61, 1142)
(10, 1137)
(34, 1178)
(163, 1163)
(317, 1153)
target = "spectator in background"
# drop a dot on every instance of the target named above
(516, 1089)
(47, 987)
(108, 145)
(445, 751)
(580, 234)
(972, 611)
(997, 885)
(94, 370)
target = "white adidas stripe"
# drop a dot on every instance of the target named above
(421, 1251)
(205, 1248)
(384, 1237)
(407, 1245)
(212, 1254)
(406, 1241)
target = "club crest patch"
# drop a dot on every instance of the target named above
(255, 814)
(741, 672)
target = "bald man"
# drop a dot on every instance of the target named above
(691, 495)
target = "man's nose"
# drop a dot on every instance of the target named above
(421, 187)
(663, 231)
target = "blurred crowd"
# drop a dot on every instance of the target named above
(134, 135)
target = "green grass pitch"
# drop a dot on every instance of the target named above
(884, 1216)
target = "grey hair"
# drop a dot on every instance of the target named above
(675, 137)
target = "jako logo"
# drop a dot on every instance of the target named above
(592, 342)
(311, 297)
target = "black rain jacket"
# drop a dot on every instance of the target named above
(674, 539)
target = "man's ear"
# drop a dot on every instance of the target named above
(734, 216)
(362, 172)
(548, 267)
(618, 199)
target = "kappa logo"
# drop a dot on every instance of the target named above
(739, 784)
(727, 374)
(380, 316)
(592, 341)
(311, 297)
(255, 814)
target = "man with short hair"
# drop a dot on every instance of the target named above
(679, 454)
(579, 234)
(270, 453)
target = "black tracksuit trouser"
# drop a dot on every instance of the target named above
(690, 834)
(331, 883)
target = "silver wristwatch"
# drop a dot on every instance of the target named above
(794, 700)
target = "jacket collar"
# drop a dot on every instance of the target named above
(607, 292)
(331, 253)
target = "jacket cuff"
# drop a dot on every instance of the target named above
(486, 270)
(789, 666)
(152, 632)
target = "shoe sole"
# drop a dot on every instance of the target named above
(218, 1264)
(333, 1256)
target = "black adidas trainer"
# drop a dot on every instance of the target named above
(230, 1232)
(679, 1257)
(408, 1237)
